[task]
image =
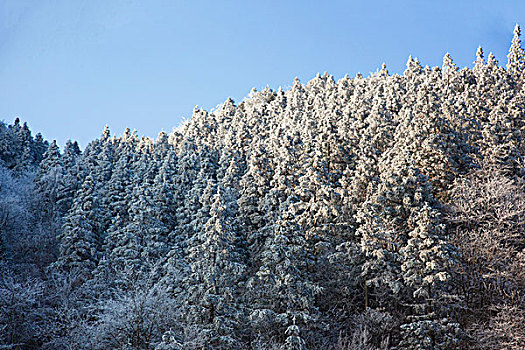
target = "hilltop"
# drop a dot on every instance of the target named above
(372, 212)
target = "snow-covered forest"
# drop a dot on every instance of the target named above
(380, 212)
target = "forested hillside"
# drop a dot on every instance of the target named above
(380, 212)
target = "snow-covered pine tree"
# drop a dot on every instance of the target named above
(50, 185)
(516, 56)
(80, 237)
(72, 173)
(214, 304)
(281, 293)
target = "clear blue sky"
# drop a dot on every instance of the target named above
(70, 67)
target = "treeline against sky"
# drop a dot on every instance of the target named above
(369, 213)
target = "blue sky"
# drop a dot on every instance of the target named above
(70, 67)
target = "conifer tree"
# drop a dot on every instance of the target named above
(281, 293)
(50, 184)
(79, 240)
(516, 56)
(217, 276)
